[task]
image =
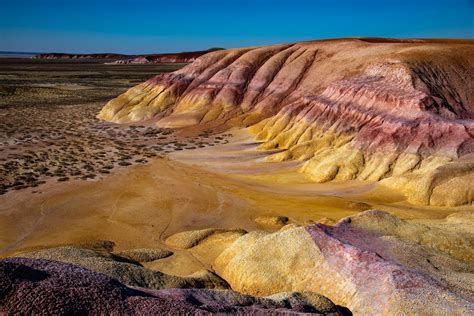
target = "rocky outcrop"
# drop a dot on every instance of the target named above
(43, 287)
(373, 263)
(396, 111)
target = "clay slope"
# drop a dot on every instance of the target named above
(400, 111)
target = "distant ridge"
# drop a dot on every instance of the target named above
(78, 56)
(131, 59)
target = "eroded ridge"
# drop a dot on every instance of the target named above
(399, 111)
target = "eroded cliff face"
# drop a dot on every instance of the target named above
(399, 112)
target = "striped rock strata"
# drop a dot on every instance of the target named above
(396, 111)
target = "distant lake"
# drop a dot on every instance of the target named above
(17, 54)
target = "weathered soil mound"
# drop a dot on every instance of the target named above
(43, 287)
(373, 263)
(400, 111)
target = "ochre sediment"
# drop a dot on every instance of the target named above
(399, 112)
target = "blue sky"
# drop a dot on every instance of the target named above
(145, 26)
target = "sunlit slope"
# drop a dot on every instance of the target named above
(395, 111)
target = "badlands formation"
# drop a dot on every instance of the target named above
(394, 111)
(343, 184)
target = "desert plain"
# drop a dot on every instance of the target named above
(332, 177)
